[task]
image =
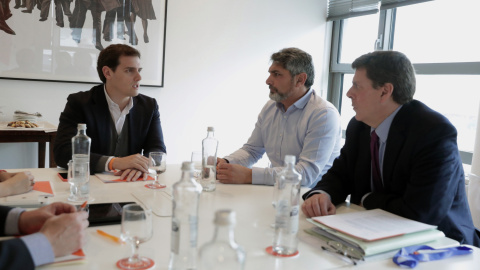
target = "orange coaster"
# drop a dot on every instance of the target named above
(150, 186)
(144, 264)
(269, 250)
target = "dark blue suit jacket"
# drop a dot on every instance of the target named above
(91, 108)
(422, 172)
(14, 253)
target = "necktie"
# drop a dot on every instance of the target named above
(377, 179)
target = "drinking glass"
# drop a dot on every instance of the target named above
(157, 165)
(136, 229)
(196, 159)
(78, 177)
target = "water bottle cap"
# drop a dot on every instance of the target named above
(289, 159)
(210, 129)
(225, 217)
(82, 126)
(187, 166)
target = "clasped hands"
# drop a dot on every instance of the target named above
(131, 167)
(61, 224)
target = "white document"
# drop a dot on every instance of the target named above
(109, 177)
(372, 225)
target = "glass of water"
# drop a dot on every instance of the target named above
(79, 178)
(157, 165)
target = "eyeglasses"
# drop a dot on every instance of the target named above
(352, 254)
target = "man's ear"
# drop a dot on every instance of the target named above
(107, 72)
(301, 79)
(387, 91)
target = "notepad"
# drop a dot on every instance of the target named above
(77, 256)
(375, 247)
(108, 177)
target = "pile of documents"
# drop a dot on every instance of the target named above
(367, 233)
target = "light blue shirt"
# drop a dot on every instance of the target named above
(310, 130)
(382, 133)
(37, 244)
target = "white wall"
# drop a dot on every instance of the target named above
(217, 57)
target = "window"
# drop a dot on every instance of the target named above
(450, 34)
(439, 37)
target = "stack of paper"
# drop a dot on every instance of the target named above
(373, 232)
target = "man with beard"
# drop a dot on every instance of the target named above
(295, 122)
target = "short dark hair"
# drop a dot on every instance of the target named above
(296, 61)
(110, 57)
(389, 67)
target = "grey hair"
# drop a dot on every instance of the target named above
(296, 61)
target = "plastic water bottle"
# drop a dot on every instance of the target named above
(287, 208)
(81, 160)
(222, 252)
(183, 246)
(209, 161)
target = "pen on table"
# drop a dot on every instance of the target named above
(114, 238)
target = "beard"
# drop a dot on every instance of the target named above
(277, 96)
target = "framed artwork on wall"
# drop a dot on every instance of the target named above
(60, 40)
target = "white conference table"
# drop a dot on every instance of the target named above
(255, 213)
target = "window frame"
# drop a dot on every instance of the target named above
(385, 40)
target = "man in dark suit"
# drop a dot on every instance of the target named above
(121, 122)
(52, 231)
(399, 155)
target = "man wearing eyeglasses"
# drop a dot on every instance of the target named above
(399, 155)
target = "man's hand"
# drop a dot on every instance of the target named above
(17, 183)
(137, 162)
(31, 221)
(131, 175)
(66, 232)
(318, 205)
(6, 175)
(233, 174)
(220, 161)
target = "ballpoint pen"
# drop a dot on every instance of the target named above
(114, 238)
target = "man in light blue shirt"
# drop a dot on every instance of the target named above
(296, 121)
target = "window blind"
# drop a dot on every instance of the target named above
(388, 4)
(342, 9)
